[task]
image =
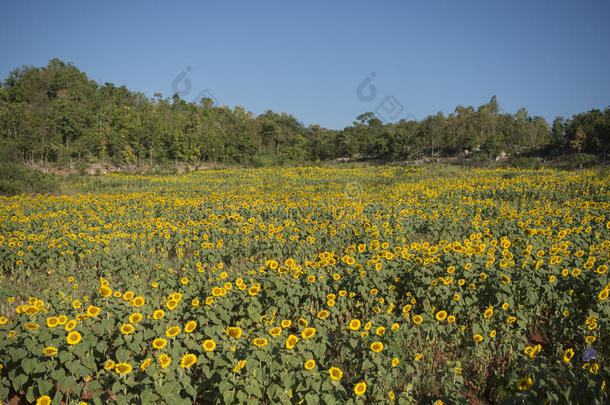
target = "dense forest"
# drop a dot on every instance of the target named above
(57, 114)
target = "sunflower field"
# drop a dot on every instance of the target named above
(308, 285)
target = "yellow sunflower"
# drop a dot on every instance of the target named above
(73, 338)
(209, 345)
(291, 341)
(376, 347)
(308, 333)
(360, 388)
(335, 373)
(188, 360)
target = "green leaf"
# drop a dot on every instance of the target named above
(77, 389)
(116, 387)
(94, 386)
(311, 399)
(28, 365)
(64, 356)
(254, 314)
(327, 386)
(18, 353)
(19, 380)
(122, 355)
(77, 370)
(58, 374)
(79, 350)
(122, 399)
(254, 389)
(367, 364)
(57, 398)
(228, 396)
(89, 362)
(148, 334)
(329, 399)
(66, 382)
(40, 367)
(101, 347)
(30, 396)
(134, 346)
(241, 396)
(148, 396)
(44, 386)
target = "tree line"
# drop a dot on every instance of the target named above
(57, 114)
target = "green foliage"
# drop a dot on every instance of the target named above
(526, 162)
(585, 159)
(56, 114)
(266, 160)
(16, 179)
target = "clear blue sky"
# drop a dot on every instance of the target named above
(308, 58)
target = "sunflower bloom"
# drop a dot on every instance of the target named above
(260, 342)
(70, 325)
(376, 347)
(145, 364)
(43, 400)
(190, 326)
(209, 345)
(165, 360)
(49, 351)
(138, 302)
(308, 333)
(127, 329)
(239, 366)
(122, 368)
(172, 331)
(135, 317)
(52, 322)
(524, 383)
(234, 332)
(291, 341)
(159, 343)
(188, 360)
(93, 310)
(360, 388)
(73, 338)
(335, 373)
